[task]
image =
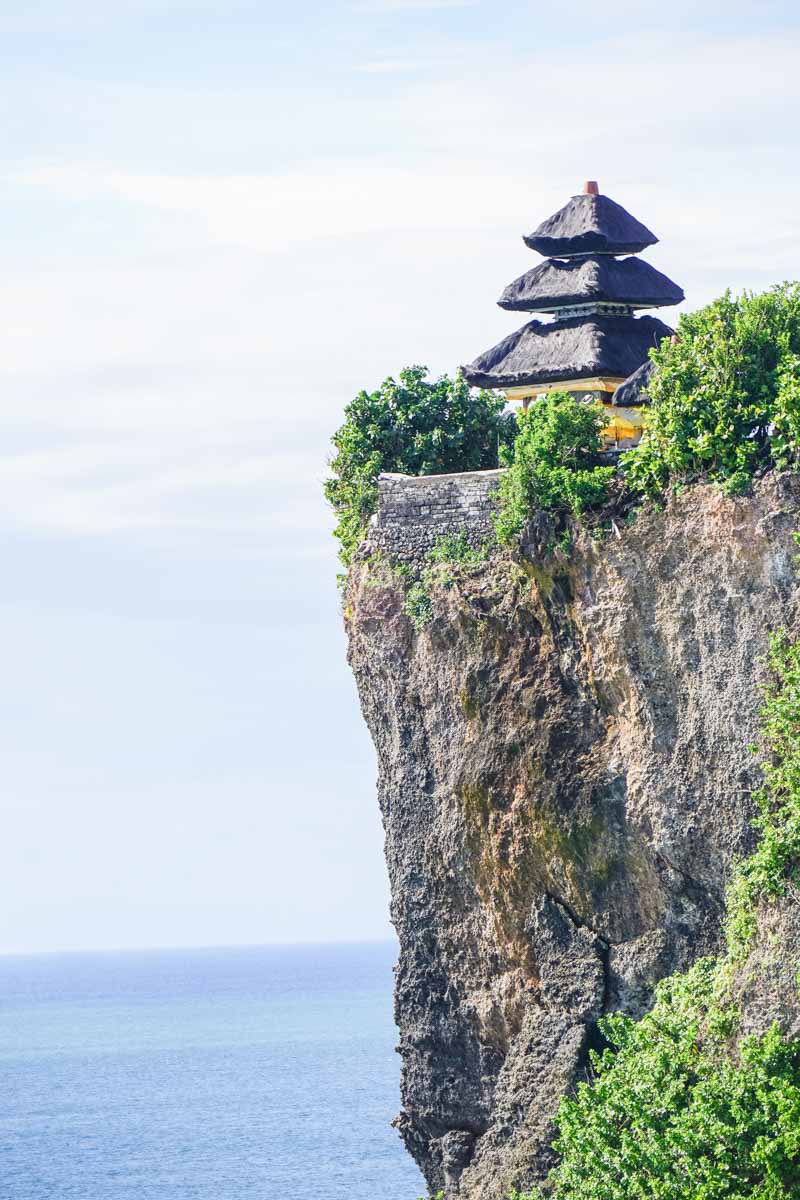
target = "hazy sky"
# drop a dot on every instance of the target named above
(219, 221)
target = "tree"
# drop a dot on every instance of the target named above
(556, 464)
(725, 396)
(415, 426)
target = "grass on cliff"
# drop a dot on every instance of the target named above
(671, 1112)
(774, 867)
(675, 1109)
(448, 556)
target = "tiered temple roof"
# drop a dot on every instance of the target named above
(634, 390)
(590, 224)
(629, 282)
(597, 346)
(594, 342)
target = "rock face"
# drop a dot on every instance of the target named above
(766, 987)
(564, 778)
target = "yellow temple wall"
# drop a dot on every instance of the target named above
(625, 426)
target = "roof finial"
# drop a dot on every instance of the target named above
(590, 188)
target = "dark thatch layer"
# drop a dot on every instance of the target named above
(634, 390)
(590, 225)
(581, 280)
(581, 348)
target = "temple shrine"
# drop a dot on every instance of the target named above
(593, 344)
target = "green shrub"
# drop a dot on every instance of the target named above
(725, 398)
(415, 426)
(773, 866)
(555, 465)
(670, 1114)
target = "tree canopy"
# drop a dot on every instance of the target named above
(415, 426)
(725, 395)
(555, 465)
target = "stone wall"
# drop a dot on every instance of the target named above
(415, 510)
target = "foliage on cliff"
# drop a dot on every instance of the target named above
(725, 404)
(447, 558)
(670, 1114)
(775, 865)
(673, 1110)
(725, 396)
(415, 426)
(555, 463)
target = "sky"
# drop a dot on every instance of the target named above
(219, 222)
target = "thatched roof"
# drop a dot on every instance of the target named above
(589, 224)
(581, 348)
(634, 390)
(555, 284)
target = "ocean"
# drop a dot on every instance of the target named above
(228, 1074)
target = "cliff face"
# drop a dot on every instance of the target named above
(564, 778)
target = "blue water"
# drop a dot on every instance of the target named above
(203, 1074)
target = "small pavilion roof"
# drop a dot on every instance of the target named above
(634, 390)
(590, 224)
(554, 284)
(579, 348)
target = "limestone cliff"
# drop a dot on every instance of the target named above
(565, 779)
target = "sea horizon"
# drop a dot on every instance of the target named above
(199, 947)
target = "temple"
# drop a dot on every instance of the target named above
(593, 344)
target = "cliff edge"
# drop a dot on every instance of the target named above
(565, 780)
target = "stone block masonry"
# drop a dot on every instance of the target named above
(414, 511)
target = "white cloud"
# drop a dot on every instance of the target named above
(164, 485)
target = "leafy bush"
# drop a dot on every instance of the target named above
(725, 396)
(774, 864)
(671, 1115)
(555, 465)
(414, 426)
